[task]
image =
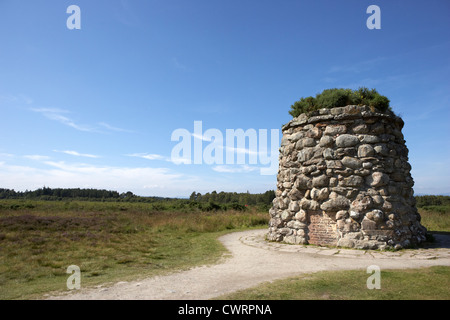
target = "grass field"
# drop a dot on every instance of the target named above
(412, 284)
(436, 218)
(115, 241)
(108, 241)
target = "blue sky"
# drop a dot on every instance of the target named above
(96, 107)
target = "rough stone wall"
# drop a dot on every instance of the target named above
(344, 180)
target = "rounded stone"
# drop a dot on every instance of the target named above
(333, 182)
(302, 182)
(295, 224)
(290, 239)
(320, 181)
(362, 204)
(314, 193)
(287, 185)
(351, 162)
(367, 165)
(377, 179)
(367, 138)
(307, 142)
(341, 214)
(346, 140)
(300, 216)
(335, 204)
(293, 206)
(285, 215)
(295, 194)
(305, 154)
(323, 194)
(309, 204)
(352, 181)
(328, 154)
(315, 133)
(335, 129)
(382, 149)
(296, 136)
(361, 128)
(377, 215)
(275, 222)
(365, 150)
(378, 200)
(355, 215)
(346, 243)
(326, 141)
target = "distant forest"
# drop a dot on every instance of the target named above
(426, 201)
(244, 198)
(54, 194)
(234, 197)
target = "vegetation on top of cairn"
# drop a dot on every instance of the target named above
(332, 98)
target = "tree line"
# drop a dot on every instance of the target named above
(213, 199)
(55, 194)
(47, 193)
(430, 200)
(244, 198)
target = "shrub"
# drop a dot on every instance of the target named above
(332, 98)
(236, 206)
(303, 105)
(212, 206)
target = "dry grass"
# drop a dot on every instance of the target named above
(436, 219)
(109, 242)
(413, 284)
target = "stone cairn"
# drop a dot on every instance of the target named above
(344, 180)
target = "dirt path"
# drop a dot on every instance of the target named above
(253, 261)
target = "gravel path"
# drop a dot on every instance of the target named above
(253, 261)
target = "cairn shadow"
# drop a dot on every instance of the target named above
(441, 240)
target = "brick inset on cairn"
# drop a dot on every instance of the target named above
(344, 179)
(322, 230)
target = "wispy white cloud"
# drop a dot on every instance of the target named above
(61, 116)
(15, 99)
(147, 156)
(78, 167)
(49, 110)
(234, 169)
(57, 115)
(174, 160)
(36, 157)
(6, 155)
(112, 128)
(77, 154)
(179, 160)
